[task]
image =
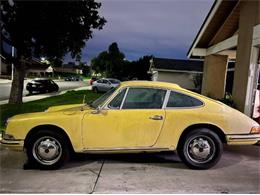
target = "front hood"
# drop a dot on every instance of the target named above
(71, 107)
(66, 109)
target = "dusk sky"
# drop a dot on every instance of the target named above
(163, 28)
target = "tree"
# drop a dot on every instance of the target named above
(85, 69)
(141, 67)
(110, 62)
(46, 28)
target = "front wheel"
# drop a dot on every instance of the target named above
(200, 149)
(47, 149)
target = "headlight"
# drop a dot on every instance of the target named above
(7, 121)
(6, 136)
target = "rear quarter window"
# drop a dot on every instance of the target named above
(179, 100)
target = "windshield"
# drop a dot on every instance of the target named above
(103, 98)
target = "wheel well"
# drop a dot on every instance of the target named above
(59, 130)
(213, 128)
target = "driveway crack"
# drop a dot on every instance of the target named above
(94, 187)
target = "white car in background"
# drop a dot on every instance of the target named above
(105, 84)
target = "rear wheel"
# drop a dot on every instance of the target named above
(47, 149)
(200, 149)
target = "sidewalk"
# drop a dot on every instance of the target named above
(3, 81)
(42, 96)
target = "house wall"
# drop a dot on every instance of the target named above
(214, 76)
(247, 57)
(5, 69)
(185, 80)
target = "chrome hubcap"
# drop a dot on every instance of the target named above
(201, 149)
(47, 150)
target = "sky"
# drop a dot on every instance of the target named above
(163, 28)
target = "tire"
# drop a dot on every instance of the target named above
(40, 150)
(200, 149)
(95, 89)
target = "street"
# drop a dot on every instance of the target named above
(5, 88)
(237, 172)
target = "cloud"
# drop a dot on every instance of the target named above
(164, 28)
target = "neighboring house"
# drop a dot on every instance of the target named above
(4, 68)
(36, 68)
(182, 72)
(33, 68)
(68, 68)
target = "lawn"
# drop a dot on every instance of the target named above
(71, 97)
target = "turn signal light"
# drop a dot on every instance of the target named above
(255, 129)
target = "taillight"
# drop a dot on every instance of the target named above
(255, 129)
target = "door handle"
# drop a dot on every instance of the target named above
(156, 117)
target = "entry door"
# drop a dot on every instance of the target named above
(136, 124)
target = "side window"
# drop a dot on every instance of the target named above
(144, 98)
(116, 102)
(180, 100)
(105, 81)
(100, 81)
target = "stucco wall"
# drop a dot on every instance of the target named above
(214, 79)
(185, 80)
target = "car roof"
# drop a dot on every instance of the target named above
(151, 84)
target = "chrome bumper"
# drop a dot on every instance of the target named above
(243, 139)
(15, 144)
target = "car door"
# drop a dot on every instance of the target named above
(133, 119)
(99, 85)
(106, 85)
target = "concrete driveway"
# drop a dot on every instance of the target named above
(237, 172)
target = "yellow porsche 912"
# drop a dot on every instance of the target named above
(137, 116)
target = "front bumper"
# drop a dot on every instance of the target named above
(243, 139)
(16, 145)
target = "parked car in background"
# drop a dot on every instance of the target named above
(105, 84)
(137, 116)
(73, 78)
(92, 80)
(41, 85)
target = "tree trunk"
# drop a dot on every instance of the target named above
(16, 95)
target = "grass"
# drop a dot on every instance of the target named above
(71, 97)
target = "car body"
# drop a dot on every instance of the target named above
(73, 78)
(105, 84)
(137, 116)
(41, 85)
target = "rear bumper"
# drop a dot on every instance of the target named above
(243, 139)
(16, 145)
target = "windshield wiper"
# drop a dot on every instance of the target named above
(90, 104)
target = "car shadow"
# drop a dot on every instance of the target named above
(232, 155)
(161, 159)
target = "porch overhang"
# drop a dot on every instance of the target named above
(216, 36)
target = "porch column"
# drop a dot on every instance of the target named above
(214, 76)
(246, 58)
